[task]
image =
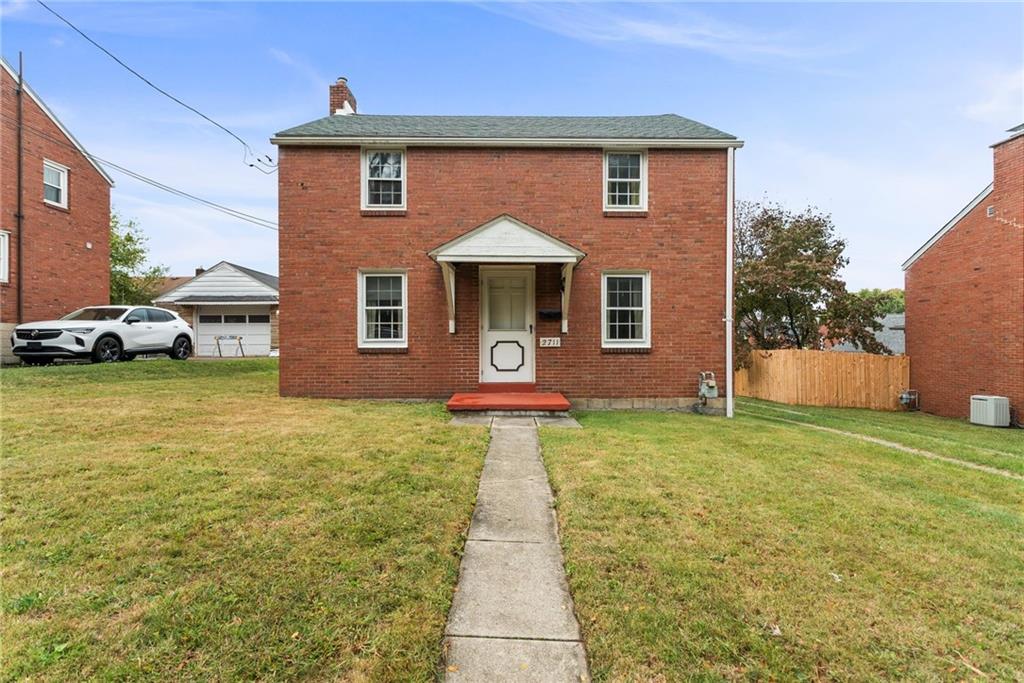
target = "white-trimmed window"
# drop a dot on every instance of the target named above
(55, 184)
(625, 180)
(383, 308)
(384, 179)
(5, 256)
(626, 309)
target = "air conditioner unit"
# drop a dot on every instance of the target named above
(992, 411)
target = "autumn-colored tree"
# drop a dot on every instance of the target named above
(789, 293)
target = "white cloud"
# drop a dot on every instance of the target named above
(315, 79)
(661, 24)
(1002, 101)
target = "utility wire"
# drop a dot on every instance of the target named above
(234, 213)
(248, 149)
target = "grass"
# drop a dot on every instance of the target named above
(1000, 448)
(698, 548)
(179, 521)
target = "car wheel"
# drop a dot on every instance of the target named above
(36, 361)
(181, 349)
(107, 350)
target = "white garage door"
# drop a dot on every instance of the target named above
(251, 323)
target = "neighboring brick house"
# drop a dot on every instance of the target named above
(64, 240)
(965, 297)
(230, 304)
(422, 256)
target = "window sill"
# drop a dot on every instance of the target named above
(625, 349)
(381, 212)
(58, 207)
(383, 349)
(625, 214)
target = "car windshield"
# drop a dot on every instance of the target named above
(96, 314)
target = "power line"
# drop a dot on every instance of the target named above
(245, 145)
(234, 213)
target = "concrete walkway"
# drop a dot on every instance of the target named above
(512, 618)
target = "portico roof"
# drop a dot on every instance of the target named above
(506, 240)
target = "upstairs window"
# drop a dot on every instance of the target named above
(625, 181)
(383, 309)
(55, 184)
(626, 310)
(384, 179)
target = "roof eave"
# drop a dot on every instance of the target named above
(57, 122)
(947, 227)
(339, 141)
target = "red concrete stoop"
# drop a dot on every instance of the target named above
(520, 400)
(507, 387)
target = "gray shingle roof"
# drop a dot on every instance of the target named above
(225, 298)
(266, 278)
(661, 127)
(893, 335)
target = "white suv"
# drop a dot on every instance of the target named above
(105, 334)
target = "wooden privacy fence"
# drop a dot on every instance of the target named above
(825, 378)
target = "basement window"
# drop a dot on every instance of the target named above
(384, 179)
(55, 184)
(626, 309)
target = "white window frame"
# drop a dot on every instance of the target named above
(643, 181)
(63, 171)
(644, 343)
(365, 343)
(5, 256)
(365, 181)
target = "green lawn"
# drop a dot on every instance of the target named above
(699, 548)
(1000, 448)
(175, 521)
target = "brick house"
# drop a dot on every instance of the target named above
(229, 303)
(425, 256)
(965, 296)
(59, 259)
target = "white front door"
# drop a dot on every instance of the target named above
(506, 324)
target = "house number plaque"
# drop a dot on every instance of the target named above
(550, 342)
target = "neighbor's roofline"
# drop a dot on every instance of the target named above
(53, 117)
(1014, 132)
(232, 266)
(947, 227)
(347, 141)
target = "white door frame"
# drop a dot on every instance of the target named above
(531, 311)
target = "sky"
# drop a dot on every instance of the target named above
(880, 114)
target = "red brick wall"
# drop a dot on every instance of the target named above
(61, 273)
(324, 239)
(965, 301)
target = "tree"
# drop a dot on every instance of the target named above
(131, 281)
(788, 290)
(889, 300)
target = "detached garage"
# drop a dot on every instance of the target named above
(232, 309)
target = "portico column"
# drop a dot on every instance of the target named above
(448, 275)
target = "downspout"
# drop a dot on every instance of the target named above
(730, 211)
(19, 216)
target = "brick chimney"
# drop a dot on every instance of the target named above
(342, 99)
(200, 270)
